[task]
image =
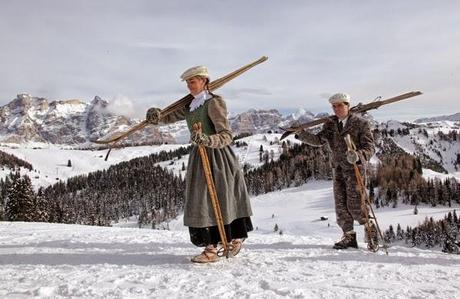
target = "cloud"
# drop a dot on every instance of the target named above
(121, 105)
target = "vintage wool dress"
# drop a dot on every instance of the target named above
(227, 174)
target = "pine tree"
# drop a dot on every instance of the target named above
(20, 199)
(41, 207)
(399, 232)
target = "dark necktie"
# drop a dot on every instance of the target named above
(340, 126)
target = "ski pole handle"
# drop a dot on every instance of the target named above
(350, 145)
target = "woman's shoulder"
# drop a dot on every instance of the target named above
(216, 100)
(216, 97)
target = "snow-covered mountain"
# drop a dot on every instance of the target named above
(261, 121)
(256, 121)
(69, 122)
(300, 116)
(74, 122)
(453, 117)
(436, 143)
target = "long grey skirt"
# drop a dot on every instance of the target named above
(230, 187)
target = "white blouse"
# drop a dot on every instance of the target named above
(199, 99)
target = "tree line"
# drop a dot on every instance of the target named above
(134, 188)
(297, 164)
(12, 162)
(398, 179)
(444, 233)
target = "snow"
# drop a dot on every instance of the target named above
(68, 108)
(58, 261)
(442, 151)
(43, 260)
(250, 154)
(50, 162)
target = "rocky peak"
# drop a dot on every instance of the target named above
(24, 102)
(256, 121)
(71, 122)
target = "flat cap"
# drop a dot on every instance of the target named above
(200, 70)
(339, 98)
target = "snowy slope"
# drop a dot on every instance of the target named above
(50, 163)
(57, 261)
(417, 143)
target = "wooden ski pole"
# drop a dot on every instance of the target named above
(365, 202)
(213, 194)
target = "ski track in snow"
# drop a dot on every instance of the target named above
(42, 260)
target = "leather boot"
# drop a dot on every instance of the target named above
(348, 240)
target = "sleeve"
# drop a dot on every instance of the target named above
(217, 112)
(309, 138)
(366, 141)
(177, 115)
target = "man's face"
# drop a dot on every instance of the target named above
(341, 110)
(196, 85)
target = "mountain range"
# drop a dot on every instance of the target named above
(67, 122)
(76, 123)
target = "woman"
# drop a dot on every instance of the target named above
(210, 110)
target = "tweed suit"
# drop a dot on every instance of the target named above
(346, 194)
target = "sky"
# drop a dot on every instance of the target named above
(132, 53)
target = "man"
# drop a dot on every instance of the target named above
(210, 110)
(348, 205)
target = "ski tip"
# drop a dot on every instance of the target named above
(97, 141)
(285, 134)
(103, 141)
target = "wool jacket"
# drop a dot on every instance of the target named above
(360, 133)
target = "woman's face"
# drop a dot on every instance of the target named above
(341, 110)
(196, 85)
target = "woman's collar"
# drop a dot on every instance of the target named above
(199, 99)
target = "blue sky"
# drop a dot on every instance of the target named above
(133, 52)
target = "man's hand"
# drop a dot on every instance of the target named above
(153, 115)
(352, 157)
(200, 138)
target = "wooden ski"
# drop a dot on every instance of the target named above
(183, 102)
(360, 108)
